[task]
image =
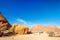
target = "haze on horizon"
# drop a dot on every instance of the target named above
(30, 12)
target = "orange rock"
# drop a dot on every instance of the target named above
(39, 28)
(20, 29)
(4, 22)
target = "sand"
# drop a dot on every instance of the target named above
(35, 36)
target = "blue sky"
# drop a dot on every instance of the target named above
(31, 12)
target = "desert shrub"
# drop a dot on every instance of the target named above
(57, 35)
(40, 32)
(51, 34)
(29, 32)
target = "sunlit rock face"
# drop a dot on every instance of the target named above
(20, 29)
(40, 28)
(4, 24)
(53, 28)
(37, 28)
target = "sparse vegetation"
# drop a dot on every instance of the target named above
(57, 35)
(51, 33)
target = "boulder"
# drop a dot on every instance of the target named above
(19, 29)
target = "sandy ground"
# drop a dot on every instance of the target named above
(35, 36)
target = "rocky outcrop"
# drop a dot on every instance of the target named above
(40, 28)
(19, 29)
(53, 28)
(4, 24)
(36, 28)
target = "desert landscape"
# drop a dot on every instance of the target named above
(22, 32)
(29, 19)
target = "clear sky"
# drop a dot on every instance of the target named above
(31, 12)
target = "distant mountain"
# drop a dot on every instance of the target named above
(37, 28)
(40, 28)
(53, 28)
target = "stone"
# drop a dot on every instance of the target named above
(19, 29)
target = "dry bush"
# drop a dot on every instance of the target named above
(57, 35)
(51, 34)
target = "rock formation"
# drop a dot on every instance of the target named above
(39, 28)
(4, 25)
(36, 28)
(19, 29)
(53, 28)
